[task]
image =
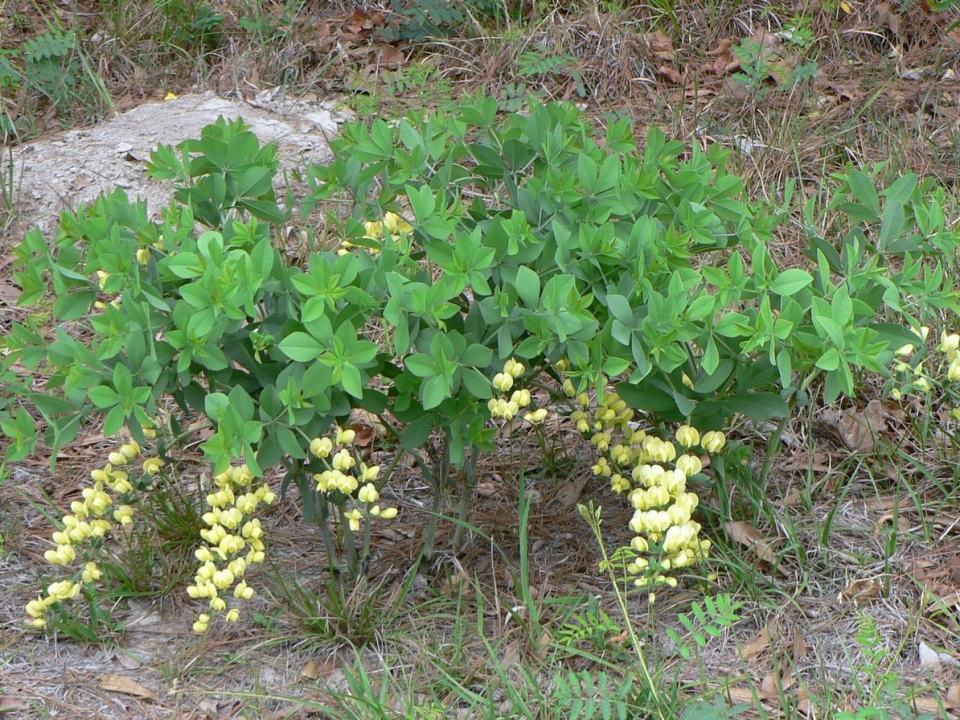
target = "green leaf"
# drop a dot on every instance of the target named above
(620, 308)
(528, 286)
(301, 347)
(761, 406)
(416, 434)
(790, 281)
(103, 397)
(420, 365)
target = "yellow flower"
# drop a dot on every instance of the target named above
(713, 441)
(514, 368)
(368, 494)
(953, 372)
(502, 382)
(232, 616)
(687, 436)
(63, 590)
(346, 437)
(354, 516)
(152, 466)
(904, 350)
(321, 447)
(343, 460)
(91, 572)
(388, 513)
(130, 450)
(202, 623)
(396, 224)
(536, 417)
(949, 344)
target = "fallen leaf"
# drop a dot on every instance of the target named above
(486, 489)
(799, 648)
(774, 684)
(723, 58)
(123, 684)
(930, 659)
(12, 703)
(314, 669)
(569, 494)
(860, 429)
(953, 696)
(391, 57)
(888, 502)
(750, 537)
(860, 591)
(805, 461)
(363, 434)
(661, 45)
(671, 74)
(756, 645)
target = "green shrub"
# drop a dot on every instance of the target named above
(467, 240)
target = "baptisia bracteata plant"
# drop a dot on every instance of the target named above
(468, 239)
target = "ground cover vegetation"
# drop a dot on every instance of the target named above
(609, 370)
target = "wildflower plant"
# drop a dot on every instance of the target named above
(107, 507)
(652, 473)
(352, 488)
(233, 542)
(473, 253)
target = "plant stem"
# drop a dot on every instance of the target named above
(593, 518)
(438, 479)
(353, 567)
(328, 545)
(469, 483)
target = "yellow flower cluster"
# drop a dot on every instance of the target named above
(230, 530)
(911, 377)
(506, 406)
(377, 230)
(348, 477)
(90, 519)
(653, 473)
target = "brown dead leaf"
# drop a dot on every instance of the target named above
(887, 502)
(953, 696)
(12, 703)
(486, 489)
(671, 74)
(799, 649)
(723, 62)
(756, 645)
(661, 45)
(774, 684)
(860, 429)
(391, 57)
(794, 497)
(750, 537)
(805, 461)
(861, 591)
(123, 684)
(314, 669)
(903, 524)
(569, 493)
(364, 434)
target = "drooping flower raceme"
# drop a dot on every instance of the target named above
(233, 539)
(652, 472)
(104, 505)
